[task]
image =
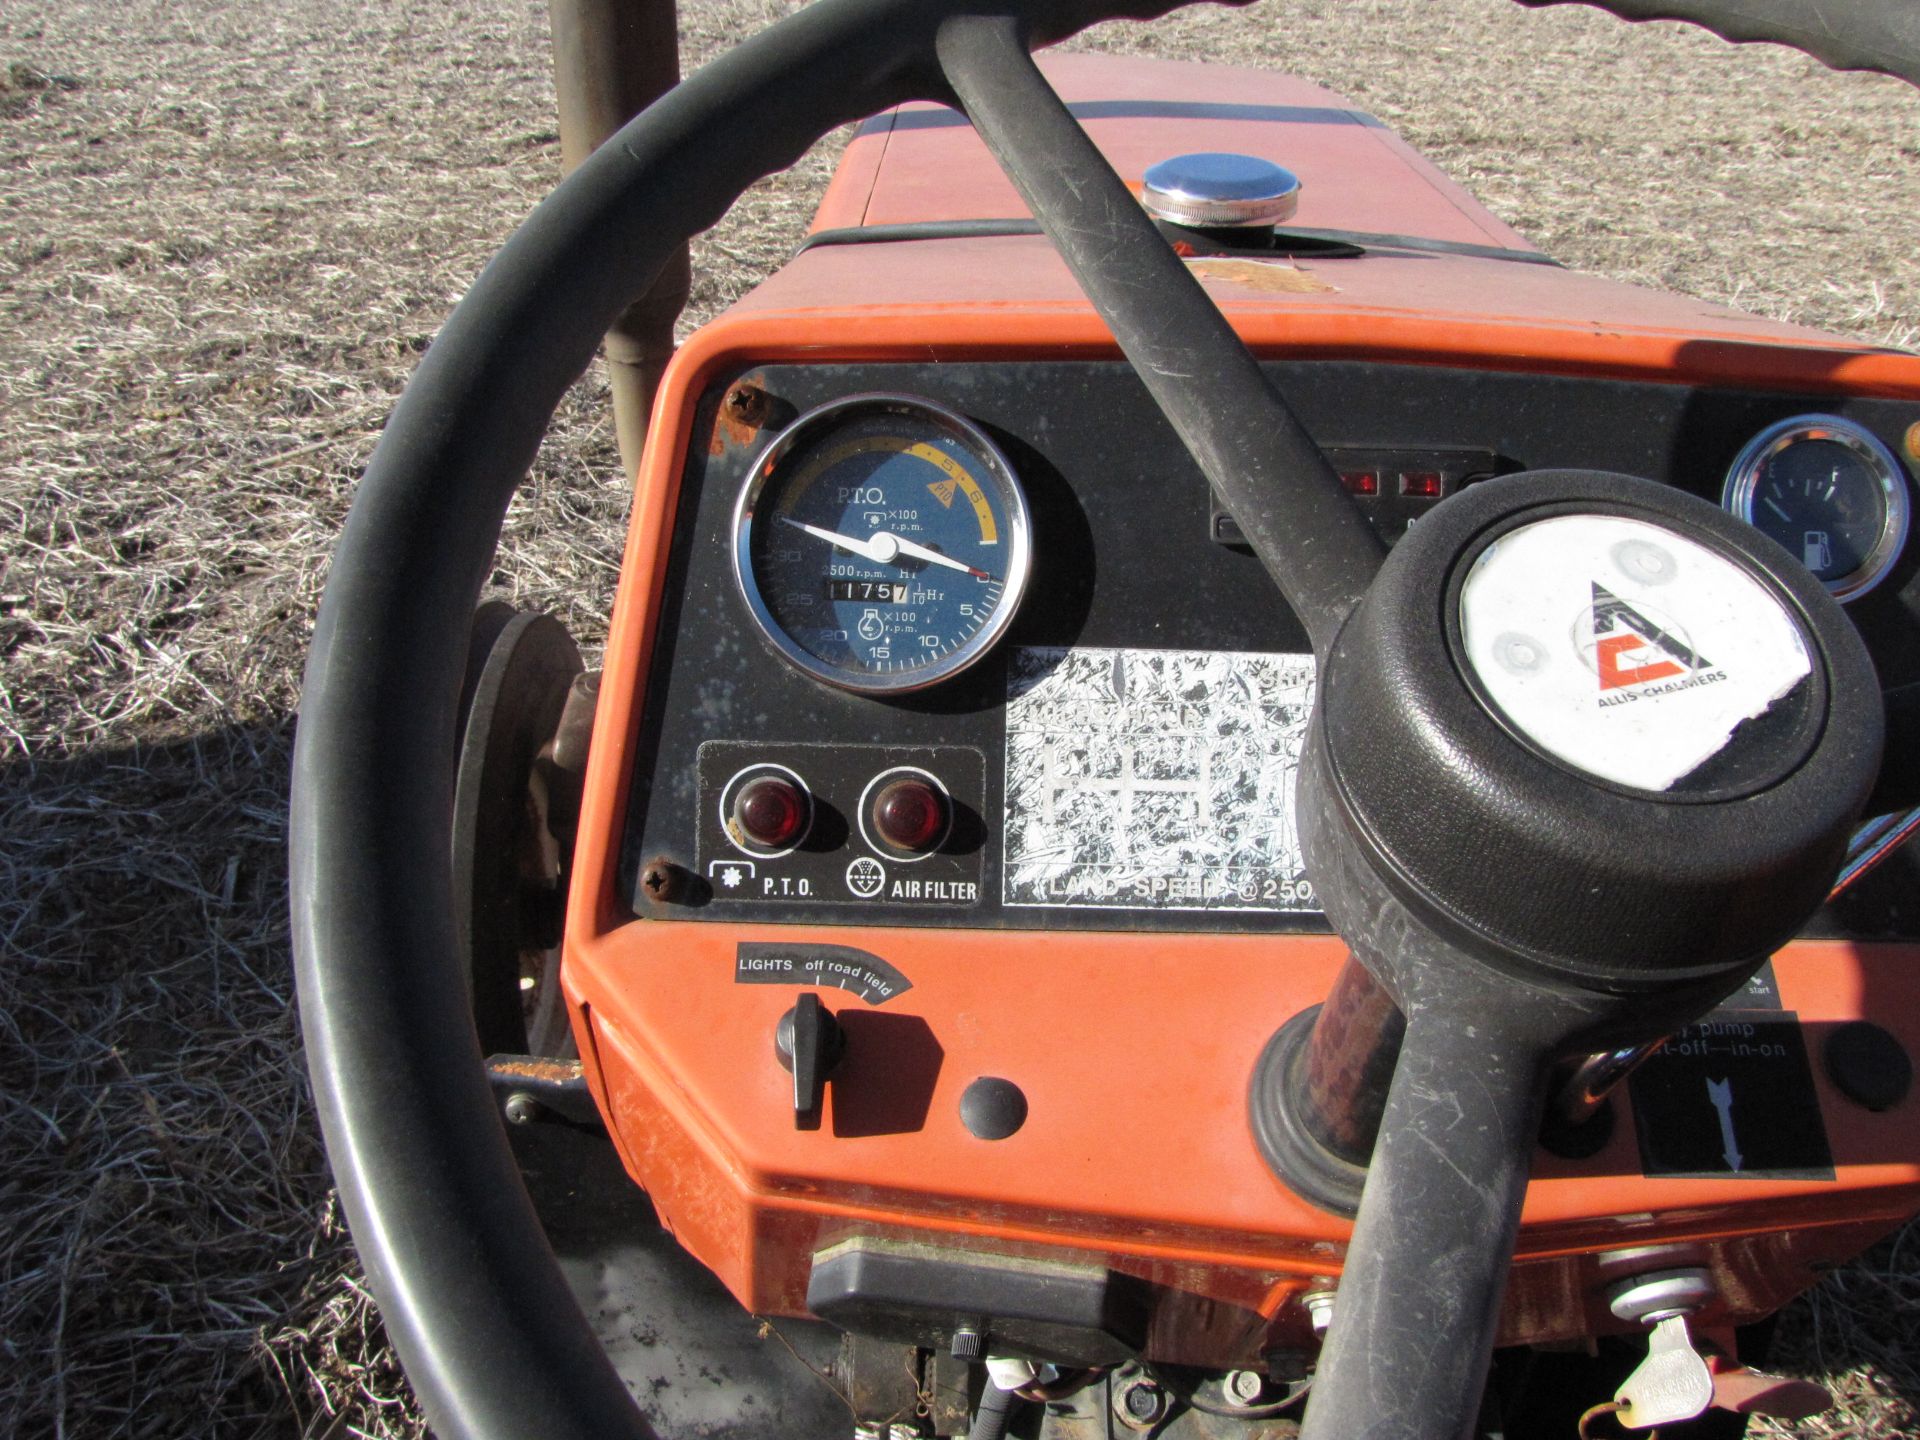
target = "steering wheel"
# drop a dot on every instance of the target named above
(492, 1339)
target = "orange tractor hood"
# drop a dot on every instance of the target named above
(923, 163)
(1485, 296)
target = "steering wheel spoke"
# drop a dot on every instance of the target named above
(1318, 547)
(1419, 1299)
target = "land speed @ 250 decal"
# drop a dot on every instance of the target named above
(1155, 779)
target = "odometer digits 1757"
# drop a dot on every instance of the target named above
(882, 543)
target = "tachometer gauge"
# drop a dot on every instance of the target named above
(1828, 490)
(882, 543)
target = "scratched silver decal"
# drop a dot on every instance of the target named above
(1155, 779)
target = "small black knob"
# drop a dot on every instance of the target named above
(809, 1042)
(992, 1108)
(1868, 1065)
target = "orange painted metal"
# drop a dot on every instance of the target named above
(1135, 1050)
(923, 163)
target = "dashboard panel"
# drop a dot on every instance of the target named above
(1122, 757)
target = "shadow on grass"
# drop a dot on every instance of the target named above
(171, 1259)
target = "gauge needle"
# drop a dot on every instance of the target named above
(932, 557)
(884, 549)
(845, 542)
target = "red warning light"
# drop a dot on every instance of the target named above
(910, 815)
(771, 812)
(1361, 482)
(1422, 484)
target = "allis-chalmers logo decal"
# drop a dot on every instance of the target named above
(1635, 657)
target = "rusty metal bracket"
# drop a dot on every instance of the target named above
(532, 1088)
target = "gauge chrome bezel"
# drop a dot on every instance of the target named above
(803, 430)
(1743, 478)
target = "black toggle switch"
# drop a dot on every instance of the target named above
(809, 1042)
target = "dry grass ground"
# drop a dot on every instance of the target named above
(227, 230)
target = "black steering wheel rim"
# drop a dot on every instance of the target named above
(493, 1341)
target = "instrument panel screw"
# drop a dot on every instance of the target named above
(746, 404)
(663, 880)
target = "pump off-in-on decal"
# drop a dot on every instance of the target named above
(1155, 779)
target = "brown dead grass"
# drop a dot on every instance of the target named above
(227, 230)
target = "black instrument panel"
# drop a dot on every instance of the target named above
(1139, 604)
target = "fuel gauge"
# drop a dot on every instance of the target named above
(1828, 490)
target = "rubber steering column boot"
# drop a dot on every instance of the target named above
(1528, 860)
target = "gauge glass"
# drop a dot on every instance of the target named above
(882, 543)
(1830, 492)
